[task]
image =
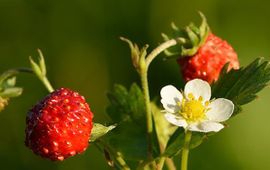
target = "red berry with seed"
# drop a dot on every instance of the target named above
(201, 54)
(59, 126)
(210, 58)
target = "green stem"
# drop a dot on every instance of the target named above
(159, 50)
(13, 72)
(121, 161)
(185, 151)
(144, 65)
(170, 164)
(149, 124)
(21, 70)
(117, 157)
(47, 84)
(160, 163)
(43, 79)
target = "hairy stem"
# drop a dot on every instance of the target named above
(43, 79)
(185, 151)
(159, 50)
(47, 84)
(21, 70)
(120, 162)
(170, 164)
(149, 123)
(13, 72)
(160, 163)
(144, 65)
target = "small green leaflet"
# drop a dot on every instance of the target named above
(100, 130)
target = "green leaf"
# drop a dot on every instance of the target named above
(127, 109)
(136, 101)
(118, 107)
(163, 127)
(176, 142)
(241, 86)
(130, 140)
(100, 130)
(126, 105)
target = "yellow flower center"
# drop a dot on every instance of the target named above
(193, 110)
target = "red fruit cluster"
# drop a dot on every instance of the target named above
(59, 126)
(210, 58)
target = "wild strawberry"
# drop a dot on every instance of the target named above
(210, 58)
(202, 54)
(59, 126)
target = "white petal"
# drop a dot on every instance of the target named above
(198, 88)
(176, 120)
(220, 110)
(205, 126)
(169, 98)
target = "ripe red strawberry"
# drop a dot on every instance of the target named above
(210, 58)
(201, 54)
(59, 126)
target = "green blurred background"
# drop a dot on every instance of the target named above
(80, 40)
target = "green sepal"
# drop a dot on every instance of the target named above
(189, 39)
(100, 130)
(137, 54)
(36, 68)
(11, 92)
(42, 64)
(7, 87)
(39, 68)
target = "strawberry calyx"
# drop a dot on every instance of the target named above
(189, 39)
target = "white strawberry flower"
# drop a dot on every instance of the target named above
(193, 110)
